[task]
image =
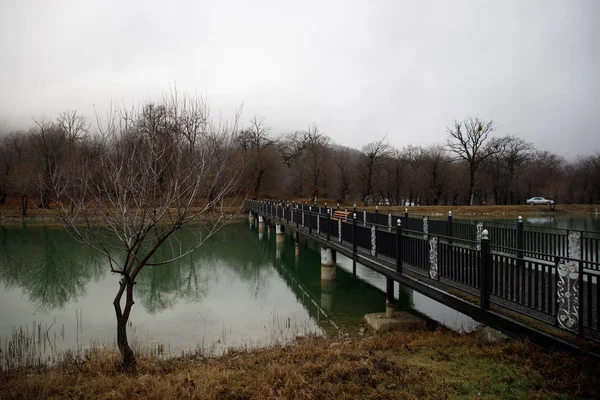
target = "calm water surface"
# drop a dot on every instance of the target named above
(589, 222)
(240, 289)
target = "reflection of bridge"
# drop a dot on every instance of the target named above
(330, 307)
(511, 278)
(308, 300)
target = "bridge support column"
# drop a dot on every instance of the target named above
(251, 218)
(297, 247)
(389, 294)
(279, 234)
(261, 227)
(327, 294)
(328, 269)
(279, 245)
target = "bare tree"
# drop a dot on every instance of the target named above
(8, 161)
(435, 165)
(370, 164)
(316, 160)
(51, 147)
(467, 140)
(144, 187)
(255, 141)
(344, 164)
(392, 177)
(508, 156)
(21, 175)
(414, 157)
(544, 175)
(73, 125)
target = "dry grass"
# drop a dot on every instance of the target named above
(439, 364)
(11, 209)
(466, 211)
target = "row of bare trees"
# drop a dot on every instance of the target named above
(472, 167)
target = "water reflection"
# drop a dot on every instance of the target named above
(47, 265)
(242, 287)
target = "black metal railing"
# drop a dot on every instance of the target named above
(552, 275)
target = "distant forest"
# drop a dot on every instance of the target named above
(473, 165)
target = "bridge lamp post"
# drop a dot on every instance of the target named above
(327, 225)
(399, 247)
(354, 234)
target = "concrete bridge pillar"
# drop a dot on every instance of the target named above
(251, 218)
(261, 226)
(279, 245)
(389, 294)
(279, 234)
(297, 247)
(327, 294)
(328, 269)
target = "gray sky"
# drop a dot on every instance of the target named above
(359, 69)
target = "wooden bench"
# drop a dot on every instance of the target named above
(343, 215)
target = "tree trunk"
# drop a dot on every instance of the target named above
(24, 203)
(472, 187)
(257, 181)
(129, 360)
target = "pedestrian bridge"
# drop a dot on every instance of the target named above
(526, 281)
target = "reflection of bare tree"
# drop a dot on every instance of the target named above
(46, 265)
(189, 278)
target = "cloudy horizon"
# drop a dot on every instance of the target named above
(358, 70)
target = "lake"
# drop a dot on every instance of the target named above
(239, 289)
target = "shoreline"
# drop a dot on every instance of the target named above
(50, 217)
(417, 364)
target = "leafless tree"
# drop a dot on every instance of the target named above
(508, 156)
(371, 161)
(8, 160)
(435, 164)
(467, 140)
(20, 174)
(255, 142)
(392, 177)
(344, 165)
(414, 157)
(73, 125)
(544, 175)
(146, 184)
(51, 148)
(315, 158)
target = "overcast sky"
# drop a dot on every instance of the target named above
(358, 69)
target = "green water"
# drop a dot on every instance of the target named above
(590, 222)
(239, 289)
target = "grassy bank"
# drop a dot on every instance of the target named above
(439, 364)
(10, 211)
(467, 211)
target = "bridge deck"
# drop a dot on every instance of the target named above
(522, 294)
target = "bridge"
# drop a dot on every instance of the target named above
(526, 281)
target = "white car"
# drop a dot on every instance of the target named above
(539, 200)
